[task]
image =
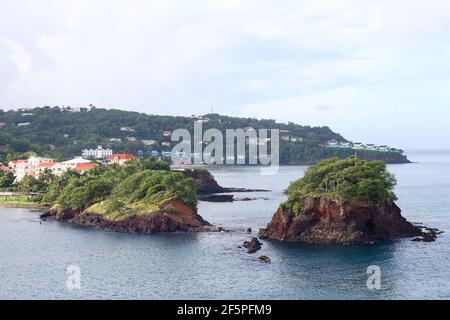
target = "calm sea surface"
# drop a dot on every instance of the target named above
(34, 257)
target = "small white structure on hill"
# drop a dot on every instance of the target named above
(98, 153)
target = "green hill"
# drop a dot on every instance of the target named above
(63, 133)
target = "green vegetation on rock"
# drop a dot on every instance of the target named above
(142, 186)
(347, 180)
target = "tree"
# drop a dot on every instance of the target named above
(350, 179)
(6, 179)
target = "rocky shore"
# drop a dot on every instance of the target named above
(327, 221)
(207, 185)
(179, 218)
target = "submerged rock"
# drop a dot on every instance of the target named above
(264, 259)
(217, 198)
(325, 221)
(428, 235)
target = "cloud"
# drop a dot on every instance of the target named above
(18, 56)
(292, 60)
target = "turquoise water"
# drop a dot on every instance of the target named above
(34, 257)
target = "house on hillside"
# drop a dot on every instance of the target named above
(5, 168)
(72, 163)
(333, 144)
(51, 166)
(98, 153)
(297, 139)
(149, 142)
(82, 168)
(36, 161)
(121, 159)
(21, 168)
(358, 146)
(127, 129)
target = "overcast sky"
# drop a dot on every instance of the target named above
(375, 71)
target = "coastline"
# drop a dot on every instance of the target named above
(34, 206)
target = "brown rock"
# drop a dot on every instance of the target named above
(264, 259)
(253, 246)
(180, 218)
(326, 221)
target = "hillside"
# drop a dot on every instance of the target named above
(64, 132)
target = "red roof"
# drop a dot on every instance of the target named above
(5, 168)
(47, 164)
(122, 157)
(19, 161)
(85, 166)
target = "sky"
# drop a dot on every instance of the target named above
(375, 71)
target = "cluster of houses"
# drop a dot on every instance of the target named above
(360, 146)
(145, 142)
(286, 135)
(35, 166)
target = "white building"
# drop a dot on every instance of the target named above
(127, 129)
(359, 146)
(28, 167)
(21, 168)
(36, 161)
(297, 139)
(333, 144)
(98, 153)
(149, 142)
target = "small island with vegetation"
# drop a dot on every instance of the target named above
(144, 196)
(348, 201)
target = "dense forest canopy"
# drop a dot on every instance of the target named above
(350, 179)
(62, 133)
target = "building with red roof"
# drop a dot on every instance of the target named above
(121, 159)
(84, 167)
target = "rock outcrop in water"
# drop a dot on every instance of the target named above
(324, 221)
(209, 190)
(179, 218)
(342, 202)
(253, 245)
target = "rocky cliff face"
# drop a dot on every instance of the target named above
(325, 221)
(206, 182)
(180, 218)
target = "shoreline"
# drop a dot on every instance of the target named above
(24, 206)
